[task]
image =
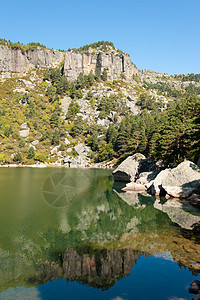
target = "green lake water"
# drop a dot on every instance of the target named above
(71, 234)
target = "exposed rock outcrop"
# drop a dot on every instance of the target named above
(13, 60)
(76, 63)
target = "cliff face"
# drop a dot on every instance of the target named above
(117, 66)
(76, 63)
(15, 61)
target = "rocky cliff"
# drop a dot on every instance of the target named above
(13, 60)
(117, 66)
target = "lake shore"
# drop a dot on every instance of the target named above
(45, 165)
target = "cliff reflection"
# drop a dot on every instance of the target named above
(98, 268)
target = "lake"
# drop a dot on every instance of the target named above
(72, 233)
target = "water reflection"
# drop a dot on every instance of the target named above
(99, 268)
(119, 226)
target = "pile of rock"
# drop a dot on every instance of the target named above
(142, 174)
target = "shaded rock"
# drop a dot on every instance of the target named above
(146, 177)
(178, 192)
(198, 163)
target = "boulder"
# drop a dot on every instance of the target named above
(132, 186)
(131, 167)
(54, 151)
(26, 83)
(24, 133)
(178, 191)
(67, 142)
(35, 143)
(24, 126)
(179, 182)
(82, 149)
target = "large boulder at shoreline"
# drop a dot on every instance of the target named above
(131, 167)
(179, 182)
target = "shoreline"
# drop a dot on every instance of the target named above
(43, 165)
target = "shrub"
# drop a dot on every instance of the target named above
(17, 157)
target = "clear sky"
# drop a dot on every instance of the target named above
(161, 35)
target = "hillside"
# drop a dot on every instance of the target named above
(92, 107)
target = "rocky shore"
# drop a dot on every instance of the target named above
(141, 174)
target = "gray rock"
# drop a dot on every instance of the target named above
(76, 63)
(24, 133)
(185, 178)
(69, 150)
(26, 83)
(15, 61)
(146, 177)
(128, 169)
(81, 148)
(54, 151)
(132, 186)
(178, 192)
(20, 90)
(35, 143)
(131, 167)
(24, 126)
(67, 142)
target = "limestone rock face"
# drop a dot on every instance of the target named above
(15, 61)
(76, 63)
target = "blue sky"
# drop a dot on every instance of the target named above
(160, 35)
